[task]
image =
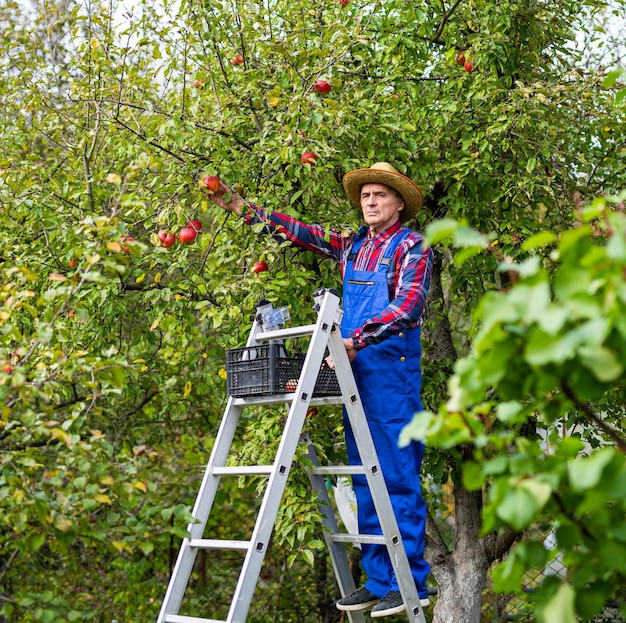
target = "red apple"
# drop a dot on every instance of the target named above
(460, 58)
(322, 86)
(236, 60)
(126, 239)
(167, 238)
(72, 263)
(195, 223)
(468, 65)
(7, 368)
(187, 235)
(198, 83)
(309, 157)
(260, 267)
(344, 2)
(211, 182)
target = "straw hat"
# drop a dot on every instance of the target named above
(384, 173)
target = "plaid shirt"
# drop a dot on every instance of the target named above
(408, 281)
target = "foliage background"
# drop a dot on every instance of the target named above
(113, 350)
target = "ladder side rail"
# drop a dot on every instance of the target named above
(288, 445)
(204, 502)
(336, 549)
(375, 479)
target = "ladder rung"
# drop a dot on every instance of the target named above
(328, 470)
(288, 332)
(219, 544)
(177, 618)
(272, 399)
(358, 538)
(243, 470)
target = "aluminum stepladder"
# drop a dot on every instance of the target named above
(325, 337)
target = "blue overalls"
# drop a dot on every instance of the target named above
(388, 376)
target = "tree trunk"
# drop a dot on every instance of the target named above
(461, 574)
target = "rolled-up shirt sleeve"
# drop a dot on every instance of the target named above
(314, 238)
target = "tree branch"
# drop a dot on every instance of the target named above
(146, 139)
(595, 418)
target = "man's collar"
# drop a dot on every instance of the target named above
(386, 232)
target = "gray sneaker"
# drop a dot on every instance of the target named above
(392, 603)
(359, 600)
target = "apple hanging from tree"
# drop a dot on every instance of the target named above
(260, 267)
(322, 86)
(167, 238)
(126, 239)
(460, 58)
(236, 60)
(211, 183)
(187, 235)
(198, 83)
(7, 368)
(309, 157)
(468, 65)
(195, 223)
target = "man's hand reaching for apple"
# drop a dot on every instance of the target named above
(227, 199)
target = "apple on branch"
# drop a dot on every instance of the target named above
(187, 235)
(322, 86)
(210, 183)
(126, 239)
(166, 238)
(236, 60)
(309, 157)
(260, 267)
(195, 224)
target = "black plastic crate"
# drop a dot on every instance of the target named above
(268, 369)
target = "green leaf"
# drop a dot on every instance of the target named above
(612, 77)
(508, 574)
(543, 349)
(602, 362)
(34, 541)
(517, 508)
(511, 411)
(439, 230)
(308, 556)
(464, 236)
(472, 476)
(560, 608)
(416, 429)
(538, 241)
(586, 472)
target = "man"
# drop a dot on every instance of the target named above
(386, 274)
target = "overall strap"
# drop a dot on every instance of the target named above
(391, 249)
(356, 245)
